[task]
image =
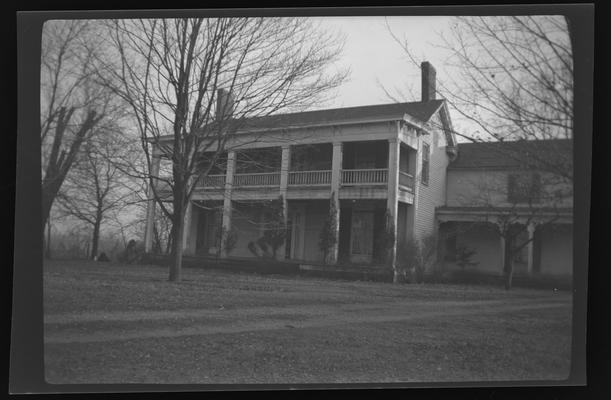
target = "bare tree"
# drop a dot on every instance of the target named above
(71, 105)
(509, 79)
(170, 71)
(96, 186)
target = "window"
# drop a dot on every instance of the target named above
(524, 188)
(425, 163)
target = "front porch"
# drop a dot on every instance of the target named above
(365, 179)
(360, 222)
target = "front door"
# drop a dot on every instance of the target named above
(297, 238)
(361, 238)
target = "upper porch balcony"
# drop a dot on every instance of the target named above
(309, 169)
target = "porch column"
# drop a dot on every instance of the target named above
(531, 246)
(150, 210)
(227, 208)
(336, 172)
(284, 181)
(284, 169)
(393, 191)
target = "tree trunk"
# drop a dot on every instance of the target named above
(49, 192)
(177, 236)
(156, 240)
(48, 242)
(168, 246)
(508, 264)
(95, 239)
(176, 267)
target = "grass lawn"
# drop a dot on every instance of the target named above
(110, 323)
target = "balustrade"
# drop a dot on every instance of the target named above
(213, 181)
(310, 178)
(349, 177)
(364, 176)
(260, 179)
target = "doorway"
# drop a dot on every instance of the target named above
(361, 237)
(296, 238)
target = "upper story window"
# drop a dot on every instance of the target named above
(426, 150)
(524, 188)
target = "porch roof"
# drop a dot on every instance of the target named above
(559, 215)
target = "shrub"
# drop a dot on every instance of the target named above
(275, 231)
(428, 252)
(463, 257)
(415, 257)
(230, 239)
(386, 238)
(407, 257)
(262, 245)
(253, 249)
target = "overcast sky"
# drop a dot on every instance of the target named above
(372, 55)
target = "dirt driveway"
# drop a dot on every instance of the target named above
(111, 326)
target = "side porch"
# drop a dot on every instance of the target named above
(470, 238)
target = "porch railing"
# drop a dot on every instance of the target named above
(406, 180)
(309, 178)
(261, 179)
(213, 181)
(364, 176)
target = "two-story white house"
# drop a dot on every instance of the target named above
(373, 161)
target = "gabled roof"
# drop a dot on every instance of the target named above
(511, 154)
(422, 111)
(418, 110)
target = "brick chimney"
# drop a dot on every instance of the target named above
(224, 104)
(428, 81)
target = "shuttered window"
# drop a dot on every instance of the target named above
(425, 163)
